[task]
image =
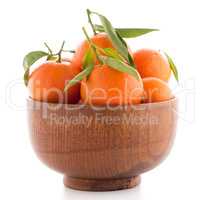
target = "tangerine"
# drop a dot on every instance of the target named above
(107, 86)
(151, 63)
(47, 83)
(156, 90)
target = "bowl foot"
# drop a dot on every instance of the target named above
(101, 184)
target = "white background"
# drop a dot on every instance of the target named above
(25, 25)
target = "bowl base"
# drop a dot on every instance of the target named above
(101, 184)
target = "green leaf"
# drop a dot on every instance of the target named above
(99, 28)
(112, 53)
(91, 43)
(134, 32)
(26, 77)
(86, 72)
(172, 66)
(128, 32)
(122, 40)
(117, 43)
(29, 60)
(109, 52)
(120, 66)
(32, 57)
(130, 59)
(88, 58)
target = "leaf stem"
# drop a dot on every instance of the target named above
(90, 21)
(69, 51)
(92, 45)
(49, 49)
(60, 52)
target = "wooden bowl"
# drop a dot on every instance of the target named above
(102, 149)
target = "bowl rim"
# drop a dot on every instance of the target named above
(174, 99)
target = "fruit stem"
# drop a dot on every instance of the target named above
(69, 51)
(49, 49)
(90, 21)
(92, 45)
(60, 52)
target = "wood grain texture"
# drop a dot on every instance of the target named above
(106, 147)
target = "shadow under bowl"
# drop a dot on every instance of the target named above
(101, 148)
